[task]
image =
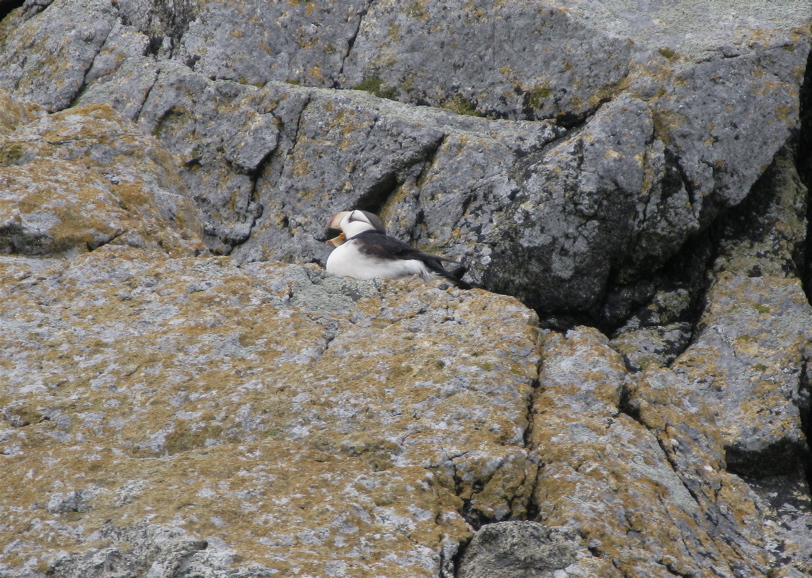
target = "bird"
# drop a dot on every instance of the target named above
(363, 250)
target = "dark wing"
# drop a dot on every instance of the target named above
(376, 244)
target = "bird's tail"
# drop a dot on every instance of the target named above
(457, 275)
(454, 277)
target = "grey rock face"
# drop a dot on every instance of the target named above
(155, 551)
(299, 42)
(643, 510)
(164, 23)
(518, 550)
(748, 357)
(68, 36)
(516, 59)
(757, 322)
(787, 507)
(657, 133)
(571, 223)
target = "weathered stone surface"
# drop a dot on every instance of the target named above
(14, 113)
(220, 133)
(276, 408)
(638, 510)
(518, 549)
(59, 44)
(149, 550)
(351, 147)
(766, 235)
(749, 353)
(545, 62)
(123, 43)
(748, 359)
(79, 179)
(670, 408)
(696, 165)
(788, 521)
(787, 507)
(299, 42)
(746, 363)
(167, 412)
(556, 220)
(655, 346)
(370, 148)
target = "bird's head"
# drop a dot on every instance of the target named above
(352, 223)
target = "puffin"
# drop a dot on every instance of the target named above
(363, 250)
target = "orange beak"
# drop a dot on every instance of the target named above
(336, 241)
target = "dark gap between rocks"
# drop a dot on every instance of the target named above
(648, 303)
(805, 410)
(456, 559)
(803, 164)
(7, 6)
(374, 198)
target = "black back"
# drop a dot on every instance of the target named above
(378, 244)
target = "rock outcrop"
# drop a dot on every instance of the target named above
(624, 162)
(270, 408)
(185, 392)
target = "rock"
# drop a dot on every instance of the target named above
(14, 114)
(766, 234)
(509, 78)
(301, 43)
(290, 132)
(787, 507)
(641, 168)
(756, 323)
(152, 550)
(655, 334)
(748, 359)
(557, 214)
(514, 549)
(639, 490)
(123, 44)
(67, 35)
(654, 346)
(540, 59)
(273, 407)
(220, 132)
(757, 407)
(79, 179)
(69, 502)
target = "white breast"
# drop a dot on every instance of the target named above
(347, 261)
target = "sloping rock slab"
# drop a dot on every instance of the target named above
(303, 422)
(636, 469)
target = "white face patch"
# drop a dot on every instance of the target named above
(355, 223)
